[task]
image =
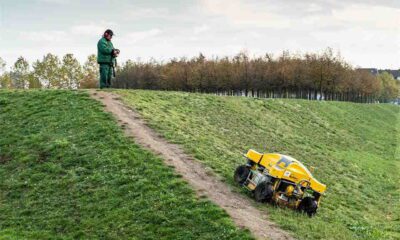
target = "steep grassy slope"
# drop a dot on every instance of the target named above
(353, 147)
(68, 172)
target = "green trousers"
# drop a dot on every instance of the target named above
(105, 75)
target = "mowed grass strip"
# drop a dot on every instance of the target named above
(352, 146)
(68, 172)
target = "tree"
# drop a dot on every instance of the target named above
(90, 77)
(2, 65)
(71, 72)
(311, 76)
(33, 82)
(20, 73)
(47, 71)
(390, 89)
(5, 80)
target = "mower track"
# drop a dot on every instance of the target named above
(240, 208)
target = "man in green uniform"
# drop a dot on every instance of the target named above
(106, 57)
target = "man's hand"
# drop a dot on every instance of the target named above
(115, 52)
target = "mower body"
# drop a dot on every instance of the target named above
(280, 179)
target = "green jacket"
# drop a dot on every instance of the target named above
(104, 49)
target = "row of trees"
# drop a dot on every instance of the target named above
(309, 76)
(50, 72)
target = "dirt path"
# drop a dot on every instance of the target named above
(240, 208)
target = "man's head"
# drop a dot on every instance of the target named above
(108, 34)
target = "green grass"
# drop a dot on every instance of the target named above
(353, 147)
(68, 172)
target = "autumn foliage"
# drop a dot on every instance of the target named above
(323, 76)
(310, 76)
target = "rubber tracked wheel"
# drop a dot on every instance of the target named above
(308, 205)
(241, 174)
(263, 192)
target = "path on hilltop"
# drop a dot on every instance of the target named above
(239, 208)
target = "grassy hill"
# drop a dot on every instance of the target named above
(353, 147)
(68, 172)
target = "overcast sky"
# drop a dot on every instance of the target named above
(367, 33)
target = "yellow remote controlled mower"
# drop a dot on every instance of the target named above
(280, 179)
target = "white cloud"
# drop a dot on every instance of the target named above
(43, 36)
(88, 29)
(146, 12)
(92, 29)
(138, 36)
(70, 35)
(54, 1)
(312, 15)
(201, 29)
(365, 31)
(244, 13)
(369, 16)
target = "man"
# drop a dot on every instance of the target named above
(106, 57)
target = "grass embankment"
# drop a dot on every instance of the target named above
(67, 171)
(352, 145)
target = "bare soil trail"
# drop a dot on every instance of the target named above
(240, 208)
